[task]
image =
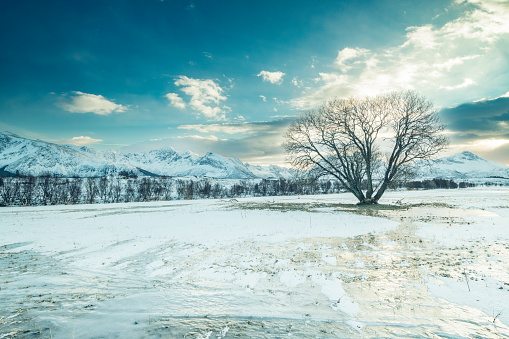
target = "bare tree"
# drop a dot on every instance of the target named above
(366, 143)
(145, 187)
(130, 190)
(90, 190)
(28, 190)
(166, 188)
(62, 191)
(47, 186)
(116, 188)
(103, 188)
(75, 190)
(10, 191)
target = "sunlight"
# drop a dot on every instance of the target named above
(491, 143)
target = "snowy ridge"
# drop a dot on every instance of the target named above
(37, 157)
(463, 165)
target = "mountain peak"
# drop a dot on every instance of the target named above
(467, 155)
(10, 134)
(463, 165)
(36, 157)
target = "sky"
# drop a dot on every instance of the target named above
(230, 76)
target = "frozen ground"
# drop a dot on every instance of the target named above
(430, 264)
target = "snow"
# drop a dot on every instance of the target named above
(462, 165)
(438, 266)
(329, 259)
(36, 157)
(291, 278)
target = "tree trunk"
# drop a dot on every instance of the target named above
(381, 190)
(367, 201)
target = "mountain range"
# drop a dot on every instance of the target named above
(464, 165)
(37, 157)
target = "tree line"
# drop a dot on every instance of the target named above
(437, 183)
(49, 190)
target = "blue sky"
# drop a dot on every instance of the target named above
(228, 76)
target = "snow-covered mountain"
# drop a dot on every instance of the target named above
(37, 157)
(465, 165)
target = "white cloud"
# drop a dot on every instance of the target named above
(296, 82)
(458, 56)
(175, 100)
(80, 102)
(82, 140)
(263, 98)
(228, 128)
(206, 97)
(347, 55)
(447, 65)
(253, 142)
(272, 77)
(212, 138)
(466, 82)
(421, 37)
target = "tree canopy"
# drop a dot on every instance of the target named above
(366, 143)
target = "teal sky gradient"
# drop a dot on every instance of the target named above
(229, 76)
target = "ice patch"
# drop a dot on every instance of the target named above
(332, 289)
(224, 331)
(291, 278)
(359, 263)
(370, 246)
(329, 259)
(484, 295)
(247, 279)
(356, 325)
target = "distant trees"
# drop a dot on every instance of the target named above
(48, 190)
(366, 144)
(75, 189)
(434, 184)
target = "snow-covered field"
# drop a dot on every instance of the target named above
(431, 264)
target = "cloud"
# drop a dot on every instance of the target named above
(272, 77)
(263, 98)
(466, 82)
(422, 37)
(490, 148)
(297, 83)
(206, 97)
(491, 116)
(481, 127)
(458, 56)
(347, 55)
(175, 100)
(229, 128)
(254, 142)
(82, 140)
(79, 102)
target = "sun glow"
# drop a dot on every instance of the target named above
(491, 143)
